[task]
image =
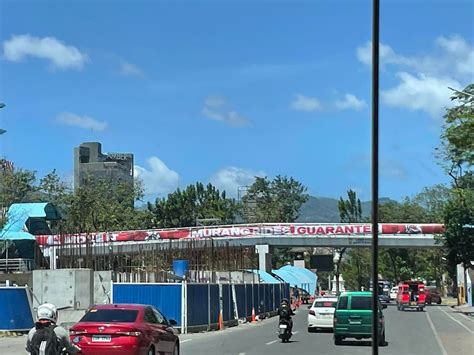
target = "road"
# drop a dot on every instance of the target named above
(408, 333)
(438, 331)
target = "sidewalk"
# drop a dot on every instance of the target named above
(464, 309)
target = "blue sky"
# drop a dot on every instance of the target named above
(222, 91)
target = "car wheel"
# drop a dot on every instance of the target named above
(310, 330)
(176, 349)
(429, 302)
(151, 351)
(382, 340)
(439, 301)
(337, 340)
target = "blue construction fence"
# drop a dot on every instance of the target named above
(16, 314)
(196, 307)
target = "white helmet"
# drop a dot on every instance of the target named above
(47, 311)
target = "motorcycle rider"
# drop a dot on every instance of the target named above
(285, 312)
(46, 337)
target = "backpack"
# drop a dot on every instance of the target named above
(284, 312)
(45, 341)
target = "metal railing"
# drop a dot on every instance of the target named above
(16, 265)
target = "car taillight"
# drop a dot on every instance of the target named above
(135, 333)
(313, 313)
(77, 332)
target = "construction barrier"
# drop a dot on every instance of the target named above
(16, 314)
(167, 297)
(198, 307)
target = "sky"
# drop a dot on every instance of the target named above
(223, 91)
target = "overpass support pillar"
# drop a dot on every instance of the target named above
(264, 252)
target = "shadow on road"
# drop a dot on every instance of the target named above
(361, 343)
(322, 330)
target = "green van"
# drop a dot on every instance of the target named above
(353, 317)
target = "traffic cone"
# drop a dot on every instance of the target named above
(253, 315)
(221, 323)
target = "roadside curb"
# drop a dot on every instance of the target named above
(7, 333)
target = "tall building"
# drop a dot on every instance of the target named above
(90, 161)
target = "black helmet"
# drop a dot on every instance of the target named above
(285, 300)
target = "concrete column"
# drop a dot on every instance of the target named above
(264, 252)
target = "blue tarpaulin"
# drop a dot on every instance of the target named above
(19, 214)
(296, 276)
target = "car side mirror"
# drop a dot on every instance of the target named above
(384, 306)
(173, 323)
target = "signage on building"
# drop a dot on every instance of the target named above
(118, 156)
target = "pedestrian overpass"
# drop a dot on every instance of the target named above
(265, 237)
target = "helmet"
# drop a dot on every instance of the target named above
(285, 300)
(47, 311)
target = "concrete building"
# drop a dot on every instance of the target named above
(90, 161)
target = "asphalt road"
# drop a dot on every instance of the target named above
(437, 331)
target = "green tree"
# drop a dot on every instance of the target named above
(457, 150)
(182, 208)
(457, 143)
(15, 187)
(350, 211)
(104, 205)
(278, 200)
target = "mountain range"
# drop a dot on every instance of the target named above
(325, 210)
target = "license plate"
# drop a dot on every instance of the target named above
(283, 326)
(413, 303)
(101, 338)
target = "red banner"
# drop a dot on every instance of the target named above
(240, 231)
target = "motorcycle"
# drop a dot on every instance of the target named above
(284, 331)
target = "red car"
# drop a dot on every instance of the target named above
(119, 329)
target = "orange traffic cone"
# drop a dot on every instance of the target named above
(253, 315)
(221, 323)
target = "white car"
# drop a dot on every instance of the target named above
(321, 313)
(393, 293)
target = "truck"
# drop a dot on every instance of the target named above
(411, 295)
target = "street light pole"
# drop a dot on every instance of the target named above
(375, 173)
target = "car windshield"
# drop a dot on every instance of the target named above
(361, 303)
(110, 315)
(324, 304)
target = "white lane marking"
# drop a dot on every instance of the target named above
(241, 353)
(438, 340)
(454, 319)
(294, 333)
(271, 342)
(185, 341)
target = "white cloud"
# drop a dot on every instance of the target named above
(218, 108)
(421, 92)
(452, 57)
(231, 178)
(86, 122)
(61, 56)
(305, 103)
(129, 69)
(350, 102)
(423, 80)
(386, 55)
(392, 169)
(158, 178)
